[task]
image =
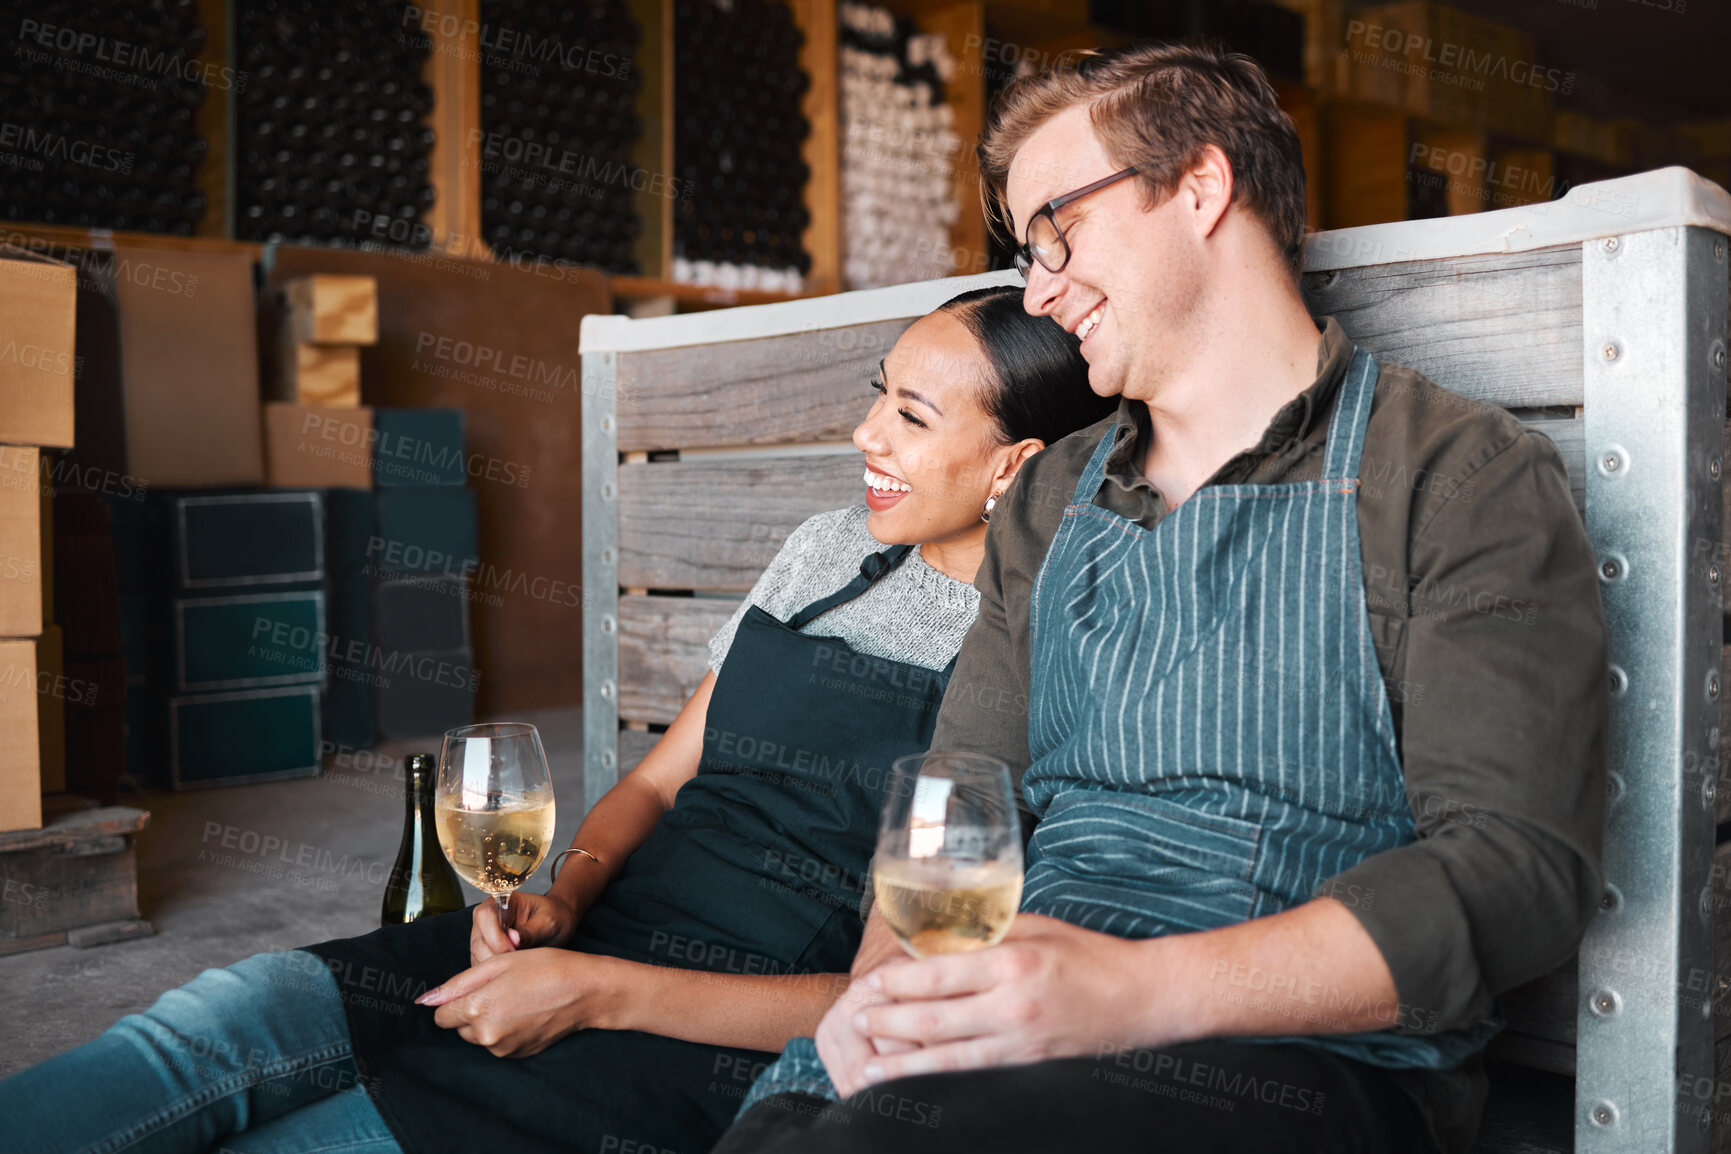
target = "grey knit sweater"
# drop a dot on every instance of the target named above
(914, 613)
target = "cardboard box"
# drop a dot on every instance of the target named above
(320, 375)
(331, 309)
(315, 448)
(38, 311)
(52, 689)
(353, 659)
(424, 530)
(20, 771)
(46, 513)
(421, 613)
(419, 447)
(84, 569)
(249, 641)
(424, 694)
(235, 738)
(95, 722)
(20, 542)
(189, 368)
(231, 539)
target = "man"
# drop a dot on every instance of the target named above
(1313, 661)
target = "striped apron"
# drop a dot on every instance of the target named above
(1210, 735)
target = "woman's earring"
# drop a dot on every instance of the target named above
(991, 503)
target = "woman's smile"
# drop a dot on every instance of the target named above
(883, 491)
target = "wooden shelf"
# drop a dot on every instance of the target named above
(647, 288)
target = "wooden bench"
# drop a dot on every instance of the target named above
(1600, 319)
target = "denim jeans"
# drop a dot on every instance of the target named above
(252, 1059)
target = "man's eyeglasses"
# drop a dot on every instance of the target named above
(1046, 242)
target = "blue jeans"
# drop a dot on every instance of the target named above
(252, 1059)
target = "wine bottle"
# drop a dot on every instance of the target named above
(422, 882)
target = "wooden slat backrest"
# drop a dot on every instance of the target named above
(708, 438)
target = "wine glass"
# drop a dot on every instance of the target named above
(494, 806)
(948, 872)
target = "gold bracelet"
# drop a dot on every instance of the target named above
(568, 853)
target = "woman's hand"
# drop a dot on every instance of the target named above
(536, 920)
(519, 1003)
(844, 1048)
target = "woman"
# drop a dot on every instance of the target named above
(709, 908)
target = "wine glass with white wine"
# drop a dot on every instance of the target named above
(948, 872)
(494, 806)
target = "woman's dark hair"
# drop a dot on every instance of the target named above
(1041, 379)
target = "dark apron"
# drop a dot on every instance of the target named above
(759, 868)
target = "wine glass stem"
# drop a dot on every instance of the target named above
(504, 903)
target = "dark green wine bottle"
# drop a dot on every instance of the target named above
(422, 882)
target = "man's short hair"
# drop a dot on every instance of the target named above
(1155, 107)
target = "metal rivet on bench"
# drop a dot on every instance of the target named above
(1610, 570)
(607, 690)
(1712, 574)
(1619, 681)
(1612, 350)
(1719, 358)
(607, 758)
(1718, 250)
(1613, 459)
(1612, 244)
(1610, 899)
(607, 492)
(607, 625)
(1714, 468)
(1604, 1114)
(607, 556)
(606, 424)
(1606, 1002)
(1713, 685)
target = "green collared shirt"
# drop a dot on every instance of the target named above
(1485, 613)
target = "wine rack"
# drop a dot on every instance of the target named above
(558, 91)
(331, 133)
(738, 132)
(101, 121)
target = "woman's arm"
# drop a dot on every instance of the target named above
(612, 830)
(626, 814)
(750, 1011)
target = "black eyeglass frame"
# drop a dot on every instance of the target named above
(1025, 255)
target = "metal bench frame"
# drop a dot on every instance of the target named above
(1646, 444)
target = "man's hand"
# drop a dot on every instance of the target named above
(519, 1003)
(1049, 990)
(536, 920)
(843, 1047)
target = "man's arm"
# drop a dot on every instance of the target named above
(1503, 743)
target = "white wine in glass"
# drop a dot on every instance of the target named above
(494, 806)
(948, 871)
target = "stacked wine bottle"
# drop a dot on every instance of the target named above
(898, 147)
(558, 98)
(737, 140)
(100, 128)
(333, 144)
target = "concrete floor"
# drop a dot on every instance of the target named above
(212, 905)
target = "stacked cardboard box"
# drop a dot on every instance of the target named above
(422, 557)
(316, 431)
(38, 303)
(227, 633)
